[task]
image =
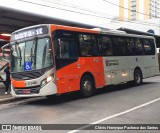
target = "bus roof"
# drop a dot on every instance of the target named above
(93, 30)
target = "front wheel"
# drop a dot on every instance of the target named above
(137, 77)
(87, 86)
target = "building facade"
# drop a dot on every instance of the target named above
(139, 9)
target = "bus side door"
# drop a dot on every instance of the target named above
(66, 60)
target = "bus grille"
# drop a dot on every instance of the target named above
(29, 75)
(26, 76)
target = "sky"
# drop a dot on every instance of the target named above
(94, 12)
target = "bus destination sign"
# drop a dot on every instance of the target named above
(29, 33)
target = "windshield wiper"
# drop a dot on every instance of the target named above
(20, 56)
(35, 51)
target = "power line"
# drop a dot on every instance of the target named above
(78, 12)
(62, 3)
(128, 8)
(64, 9)
(74, 6)
(131, 10)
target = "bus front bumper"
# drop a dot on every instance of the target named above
(48, 89)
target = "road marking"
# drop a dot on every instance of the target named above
(116, 115)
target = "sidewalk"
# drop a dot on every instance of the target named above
(2, 92)
(5, 99)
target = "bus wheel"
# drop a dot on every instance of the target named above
(87, 86)
(137, 77)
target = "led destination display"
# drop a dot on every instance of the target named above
(29, 33)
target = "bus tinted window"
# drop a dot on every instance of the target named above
(88, 45)
(153, 47)
(65, 45)
(106, 46)
(130, 46)
(119, 46)
(139, 46)
(66, 48)
(148, 48)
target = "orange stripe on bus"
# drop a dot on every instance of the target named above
(68, 28)
(18, 84)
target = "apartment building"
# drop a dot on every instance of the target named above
(139, 9)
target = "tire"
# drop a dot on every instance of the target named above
(137, 77)
(87, 86)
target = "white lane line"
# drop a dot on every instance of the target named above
(116, 115)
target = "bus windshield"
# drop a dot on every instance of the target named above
(31, 55)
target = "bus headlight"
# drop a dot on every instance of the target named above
(47, 80)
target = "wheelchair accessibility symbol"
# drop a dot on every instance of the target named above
(27, 66)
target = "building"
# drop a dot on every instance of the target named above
(139, 9)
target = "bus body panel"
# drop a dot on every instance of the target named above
(93, 65)
(69, 77)
(116, 71)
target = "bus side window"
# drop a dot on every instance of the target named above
(66, 48)
(152, 47)
(107, 46)
(99, 41)
(130, 46)
(147, 47)
(88, 45)
(139, 46)
(119, 46)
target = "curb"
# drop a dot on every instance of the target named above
(19, 101)
(10, 100)
(6, 99)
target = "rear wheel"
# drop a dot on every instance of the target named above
(87, 86)
(137, 77)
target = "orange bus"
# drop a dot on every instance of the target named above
(53, 59)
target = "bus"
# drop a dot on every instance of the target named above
(51, 59)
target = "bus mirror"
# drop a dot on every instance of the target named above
(6, 52)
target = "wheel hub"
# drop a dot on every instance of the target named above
(87, 85)
(138, 78)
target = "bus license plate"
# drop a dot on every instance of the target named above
(26, 91)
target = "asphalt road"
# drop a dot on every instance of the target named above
(120, 104)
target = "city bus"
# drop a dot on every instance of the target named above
(51, 59)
